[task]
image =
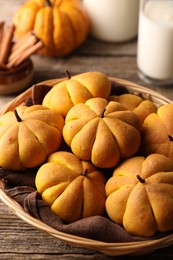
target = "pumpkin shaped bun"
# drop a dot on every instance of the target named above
(28, 135)
(102, 132)
(77, 89)
(62, 25)
(157, 135)
(141, 107)
(140, 195)
(74, 189)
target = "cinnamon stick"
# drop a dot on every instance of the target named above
(2, 23)
(21, 41)
(6, 44)
(26, 54)
(28, 42)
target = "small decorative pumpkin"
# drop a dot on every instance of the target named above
(62, 25)
(28, 135)
(140, 195)
(77, 89)
(102, 132)
(157, 136)
(141, 107)
(74, 189)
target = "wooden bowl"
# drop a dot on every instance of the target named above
(114, 249)
(16, 79)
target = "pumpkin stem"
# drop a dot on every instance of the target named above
(102, 114)
(67, 73)
(48, 3)
(140, 179)
(170, 137)
(84, 173)
(17, 116)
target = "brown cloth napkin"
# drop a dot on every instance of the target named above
(96, 227)
(19, 178)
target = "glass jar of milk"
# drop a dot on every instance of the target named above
(155, 41)
(113, 20)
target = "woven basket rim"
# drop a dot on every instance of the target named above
(115, 249)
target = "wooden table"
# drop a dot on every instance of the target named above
(19, 240)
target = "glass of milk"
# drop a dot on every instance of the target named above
(155, 42)
(113, 20)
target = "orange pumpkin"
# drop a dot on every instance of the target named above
(28, 135)
(140, 195)
(74, 189)
(141, 107)
(102, 131)
(157, 135)
(62, 25)
(77, 89)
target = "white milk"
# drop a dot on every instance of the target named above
(155, 40)
(113, 20)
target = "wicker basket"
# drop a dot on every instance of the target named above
(115, 249)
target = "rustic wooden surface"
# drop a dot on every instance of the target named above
(19, 240)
